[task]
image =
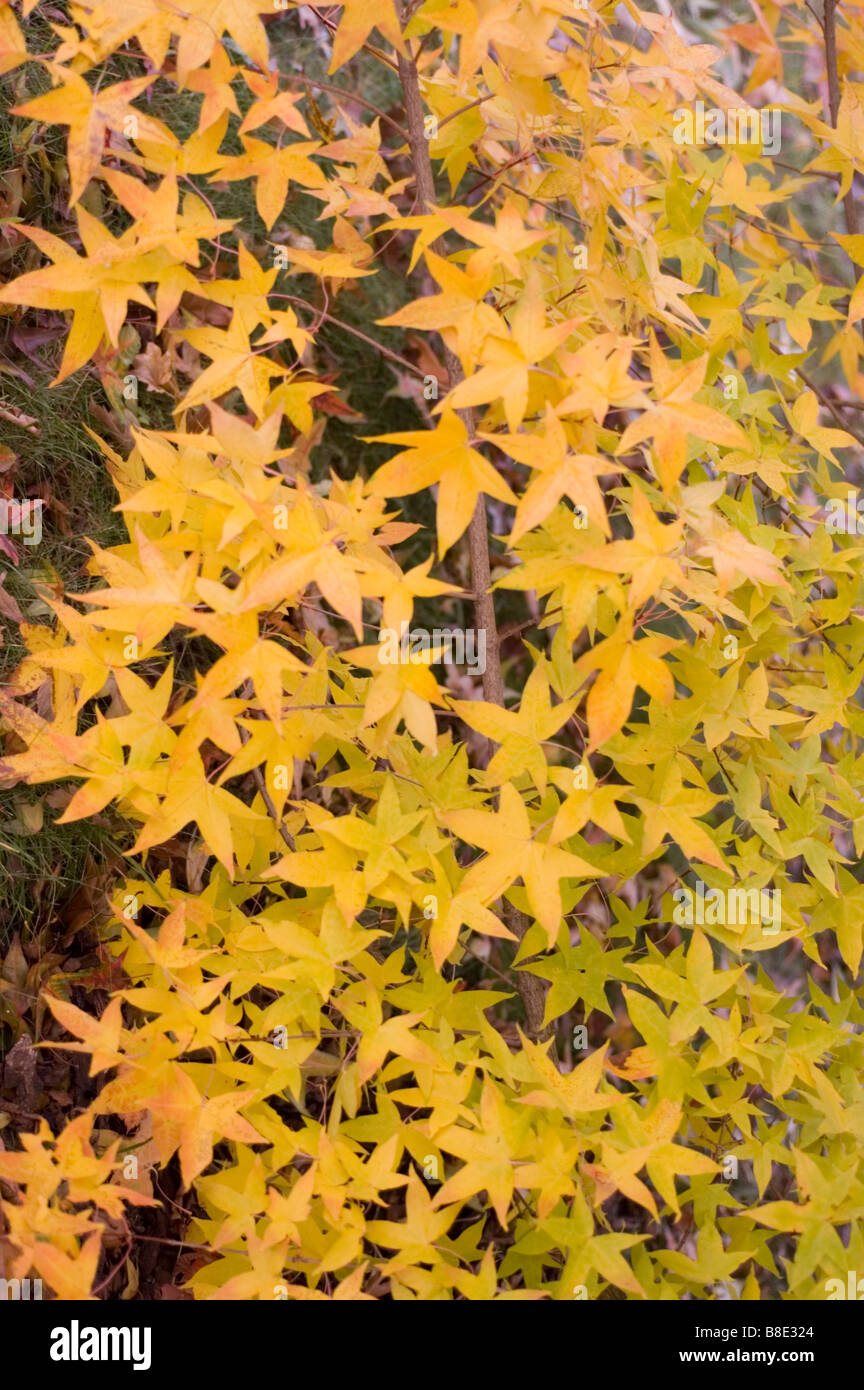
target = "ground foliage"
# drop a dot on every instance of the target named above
(371, 985)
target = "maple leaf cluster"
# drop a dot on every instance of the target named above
(402, 994)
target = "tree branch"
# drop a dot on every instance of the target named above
(248, 692)
(829, 29)
(531, 989)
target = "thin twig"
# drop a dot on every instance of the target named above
(829, 28)
(261, 784)
(349, 328)
(361, 101)
(531, 988)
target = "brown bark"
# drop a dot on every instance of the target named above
(531, 989)
(829, 29)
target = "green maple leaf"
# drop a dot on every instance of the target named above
(579, 972)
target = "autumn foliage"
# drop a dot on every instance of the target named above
(395, 998)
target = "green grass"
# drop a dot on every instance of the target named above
(40, 871)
